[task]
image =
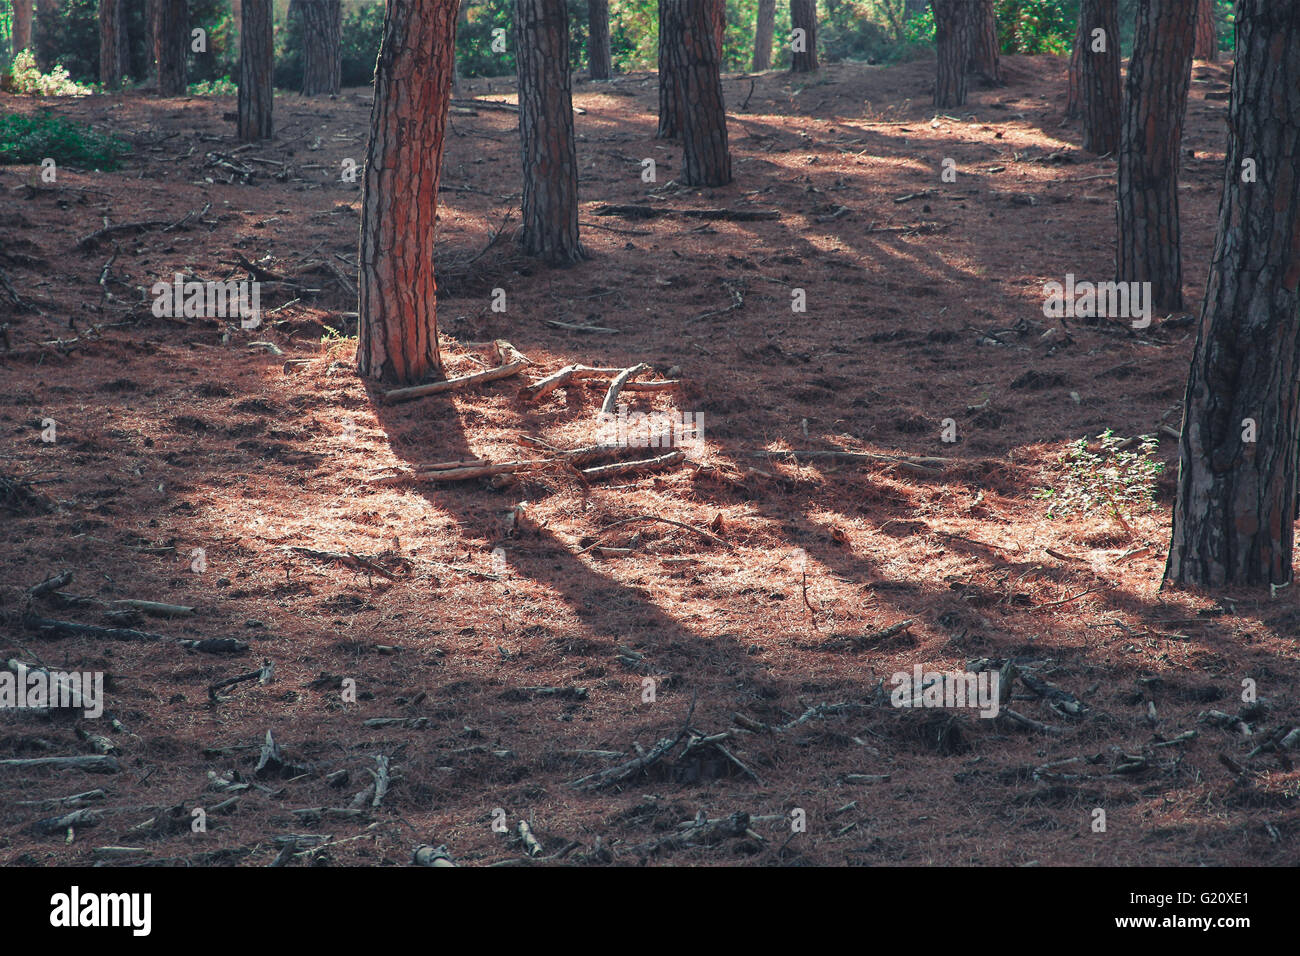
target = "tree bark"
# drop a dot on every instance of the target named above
(1074, 87)
(984, 44)
(171, 44)
(670, 100)
(1102, 104)
(764, 31)
(1159, 73)
(550, 162)
(954, 28)
(692, 57)
(803, 16)
(256, 69)
(322, 46)
(1207, 37)
(1234, 520)
(718, 11)
(598, 57)
(22, 25)
(397, 336)
(110, 43)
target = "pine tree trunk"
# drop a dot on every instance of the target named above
(322, 46)
(718, 11)
(803, 16)
(397, 336)
(171, 44)
(22, 25)
(256, 69)
(598, 58)
(1102, 102)
(764, 32)
(45, 34)
(1207, 38)
(550, 162)
(110, 43)
(1149, 246)
(984, 44)
(1234, 520)
(1074, 88)
(954, 28)
(670, 98)
(692, 57)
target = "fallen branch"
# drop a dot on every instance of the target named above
(610, 405)
(635, 467)
(510, 362)
(676, 524)
(563, 377)
(94, 764)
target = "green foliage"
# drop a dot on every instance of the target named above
(223, 86)
(25, 77)
(30, 139)
(1037, 26)
(1112, 476)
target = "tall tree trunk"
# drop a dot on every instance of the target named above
(322, 46)
(397, 335)
(984, 44)
(150, 38)
(111, 67)
(718, 12)
(22, 25)
(670, 96)
(764, 31)
(45, 34)
(598, 58)
(1159, 73)
(692, 55)
(550, 162)
(1234, 520)
(1074, 81)
(1207, 37)
(954, 27)
(171, 44)
(1102, 104)
(256, 69)
(803, 16)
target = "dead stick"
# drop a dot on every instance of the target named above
(677, 524)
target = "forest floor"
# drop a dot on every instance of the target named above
(924, 303)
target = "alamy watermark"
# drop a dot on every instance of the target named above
(1105, 300)
(932, 689)
(37, 688)
(650, 429)
(210, 300)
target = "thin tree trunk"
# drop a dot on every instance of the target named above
(22, 25)
(598, 58)
(1102, 102)
(256, 69)
(984, 44)
(322, 46)
(171, 44)
(954, 26)
(397, 336)
(550, 162)
(1207, 38)
(1234, 520)
(670, 97)
(764, 31)
(1159, 73)
(110, 43)
(693, 55)
(1074, 88)
(803, 16)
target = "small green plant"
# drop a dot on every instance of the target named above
(222, 86)
(26, 77)
(1116, 476)
(31, 138)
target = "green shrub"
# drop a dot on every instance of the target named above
(29, 139)
(1116, 476)
(26, 77)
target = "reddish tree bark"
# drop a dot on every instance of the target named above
(692, 57)
(322, 45)
(764, 32)
(256, 67)
(598, 56)
(171, 44)
(111, 66)
(954, 27)
(22, 25)
(984, 44)
(803, 16)
(1207, 37)
(1102, 104)
(550, 162)
(397, 336)
(670, 101)
(1074, 87)
(1234, 520)
(1159, 73)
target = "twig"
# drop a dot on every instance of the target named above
(677, 524)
